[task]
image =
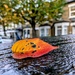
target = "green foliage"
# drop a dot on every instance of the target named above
(33, 11)
(41, 10)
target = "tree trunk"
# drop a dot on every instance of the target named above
(33, 27)
(4, 29)
(33, 31)
(52, 29)
(32, 22)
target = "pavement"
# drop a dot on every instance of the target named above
(6, 40)
(58, 62)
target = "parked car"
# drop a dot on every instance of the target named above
(0, 39)
(5, 39)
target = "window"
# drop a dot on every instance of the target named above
(73, 14)
(73, 30)
(24, 31)
(47, 31)
(72, 11)
(72, 8)
(59, 30)
(28, 32)
(42, 32)
(65, 30)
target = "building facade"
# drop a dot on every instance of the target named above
(41, 30)
(67, 24)
(63, 27)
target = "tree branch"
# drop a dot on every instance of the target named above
(25, 18)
